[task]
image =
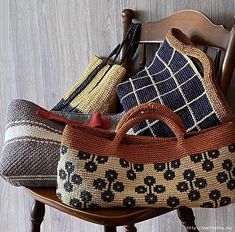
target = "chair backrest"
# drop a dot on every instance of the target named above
(201, 31)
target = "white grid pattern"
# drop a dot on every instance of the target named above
(155, 86)
(138, 101)
(159, 82)
(178, 87)
(181, 91)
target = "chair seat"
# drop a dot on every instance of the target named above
(117, 216)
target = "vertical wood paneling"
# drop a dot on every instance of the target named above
(44, 47)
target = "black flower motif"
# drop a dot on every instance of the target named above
(182, 186)
(200, 183)
(207, 205)
(76, 179)
(189, 174)
(111, 175)
(233, 171)
(68, 186)
(169, 175)
(129, 202)
(175, 163)
(131, 175)
(196, 158)
(90, 166)
(227, 165)
(86, 196)
(62, 174)
(123, 163)
(231, 184)
(139, 167)
(213, 154)
(231, 147)
(63, 149)
(118, 186)
(75, 203)
(207, 165)
(94, 206)
(102, 159)
(69, 167)
(194, 195)
(173, 202)
(151, 198)
(99, 184)
(107, 196)
(214, 195)
(149, 180)
(83, 155)
(159, 189)
(222, 177)
(225, 201)
(141, 189)
(159, 166)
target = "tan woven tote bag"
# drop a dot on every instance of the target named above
(95, 90)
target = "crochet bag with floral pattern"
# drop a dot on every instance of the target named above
(98, 168)
(180, 77)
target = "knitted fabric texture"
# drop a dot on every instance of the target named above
(94, 181)
(172, 79)
(99, 95)
(32, 144)
(97, 171)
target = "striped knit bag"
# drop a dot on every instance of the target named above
(101, 169)
(173, 79)
(31, 149)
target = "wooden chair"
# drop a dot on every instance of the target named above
(203, 33)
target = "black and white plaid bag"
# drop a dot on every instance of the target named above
(173, 79)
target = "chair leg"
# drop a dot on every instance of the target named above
(187, 218)
(110, 229)
(37, 215)
(131, 228)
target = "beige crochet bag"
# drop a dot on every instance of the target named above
(96, 89)
(104, 169)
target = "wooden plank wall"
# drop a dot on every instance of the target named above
(44, 47)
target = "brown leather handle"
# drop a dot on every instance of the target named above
(161, 114)
(150, 107)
